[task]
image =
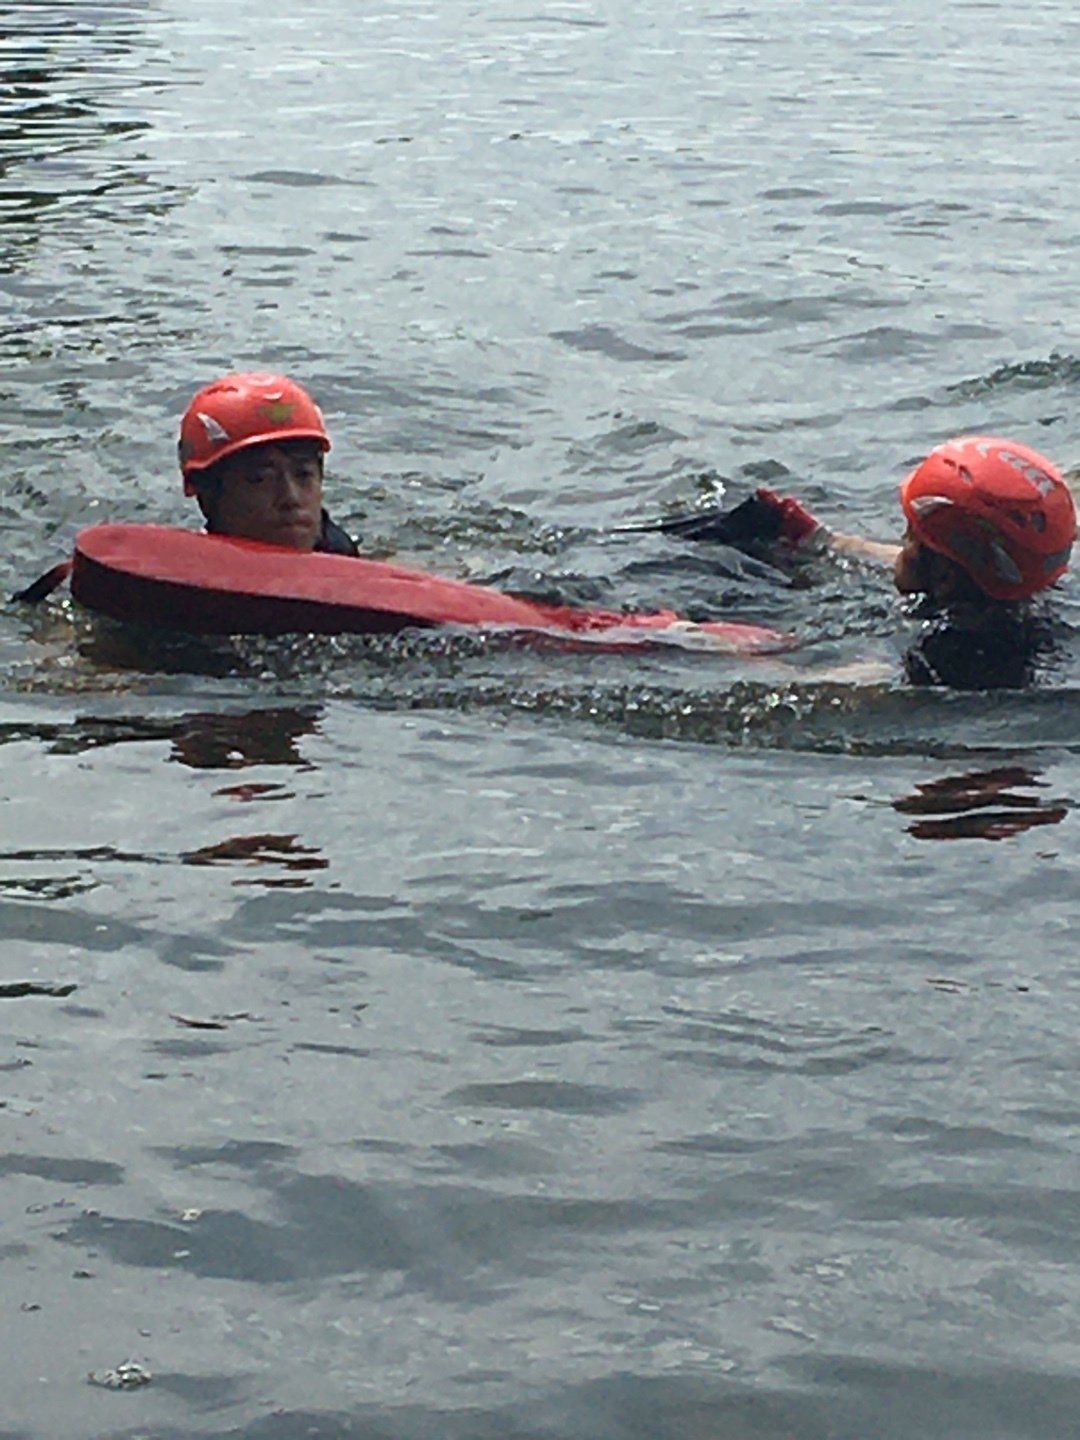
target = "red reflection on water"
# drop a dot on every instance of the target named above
(980, 805)
(255, 791)
(281, 850)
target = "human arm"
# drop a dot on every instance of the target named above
(880, 551)
(768, 518)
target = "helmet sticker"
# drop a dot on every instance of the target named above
(1031, 472)
(215, 432)
(278, 413)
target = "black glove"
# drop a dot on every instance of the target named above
(764, 517)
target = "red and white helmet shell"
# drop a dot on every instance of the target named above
(998, 508)
(244, 409)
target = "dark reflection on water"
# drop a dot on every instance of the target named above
(210, 740)
(238, 740)
(107, 645)
(88, 733)
(283, 851)
(20, 989)
(980, 804)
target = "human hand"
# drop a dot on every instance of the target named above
(764, 517)
(792, 521)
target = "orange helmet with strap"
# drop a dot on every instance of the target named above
(248, 408)
(999, 509)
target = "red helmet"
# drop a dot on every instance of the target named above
(999, 509)
(236, 411)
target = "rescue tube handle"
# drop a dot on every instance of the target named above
(45, 584)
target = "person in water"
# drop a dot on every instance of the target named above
(251, 452)
(990, 525)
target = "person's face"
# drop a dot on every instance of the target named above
(909, 569)
(272, 493)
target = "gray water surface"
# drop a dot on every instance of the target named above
(453, 1037)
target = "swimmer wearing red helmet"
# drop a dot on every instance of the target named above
(985, 518)
(251, 452)
(990, 525)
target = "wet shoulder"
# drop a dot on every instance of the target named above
(995, 649)
(333, 540)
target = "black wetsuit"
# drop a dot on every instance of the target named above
(333, 540)
(979, 648)
(965, 647)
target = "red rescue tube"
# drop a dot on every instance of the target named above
(213, 585)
